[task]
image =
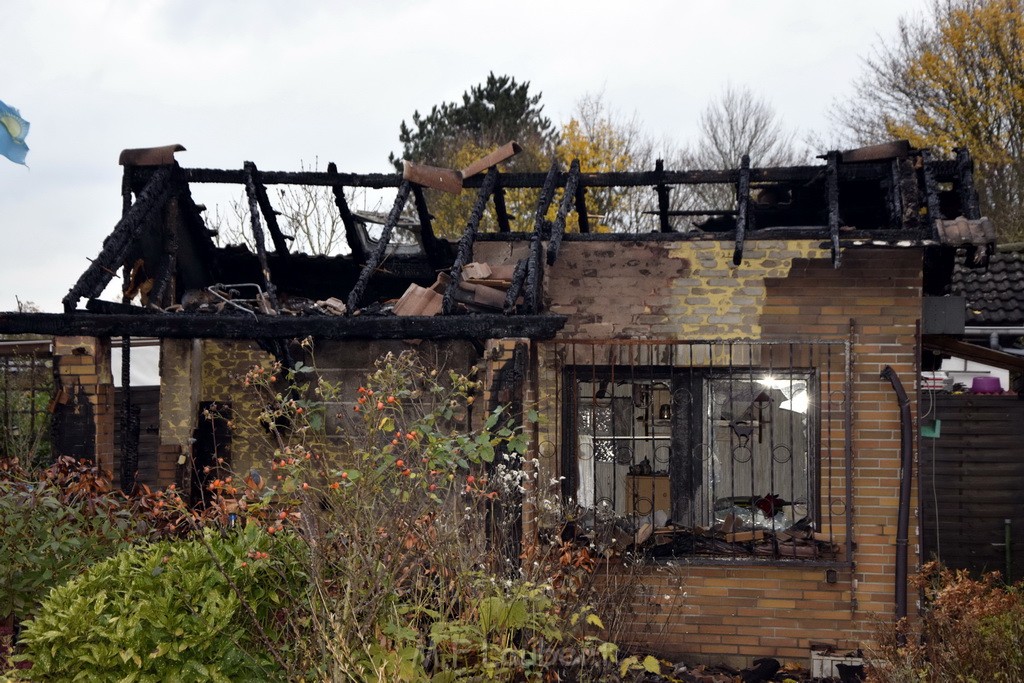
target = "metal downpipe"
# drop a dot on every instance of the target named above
(906, 477)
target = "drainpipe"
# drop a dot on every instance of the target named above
(906, 469)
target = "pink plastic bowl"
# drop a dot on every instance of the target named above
(986, 385)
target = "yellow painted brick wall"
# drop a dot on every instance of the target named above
(783, 290)
(224, 365)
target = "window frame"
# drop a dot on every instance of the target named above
(696, 381)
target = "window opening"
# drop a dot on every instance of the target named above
(712, 450)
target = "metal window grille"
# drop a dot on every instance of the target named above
(706, 449)
(26, 387)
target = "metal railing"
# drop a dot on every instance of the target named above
(733, 449)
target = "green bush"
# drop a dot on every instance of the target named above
(45, 540)
(209, 608)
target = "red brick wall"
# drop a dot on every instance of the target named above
(82, 367)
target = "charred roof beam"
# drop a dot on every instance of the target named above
(663, 197)
(541, 229)
(200, 326)
(257, 232)
(465, 251)
(581, 208)
(500, 210)
(742, 209)
(355, 245)
(564, 207)
(355, 297)
(279, 239)
(115, 247)
(432, 246)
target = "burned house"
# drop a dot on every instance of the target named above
(733, 386)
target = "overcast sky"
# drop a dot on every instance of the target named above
(281, 83)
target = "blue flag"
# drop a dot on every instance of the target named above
(13, 130)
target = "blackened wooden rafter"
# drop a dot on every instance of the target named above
(101, 270)
(516, 287)
(269, 213)
(564, 207)
(542, 227)
(663, 196)
(355, 245)
(581, 208)
(500, 210)
(432, 246)
(355, 297)
(742, 209)
(257, 233)
(259, 326)
(464, 254)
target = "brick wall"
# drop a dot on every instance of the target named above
(84, 418)
(194, 372)
(783, 290)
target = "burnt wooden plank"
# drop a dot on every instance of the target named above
(257, 232)
(355, 297)
(432, 246)
(535, 270)
(355, 245)
(464, 254)
(500, 210)
(230, 326)
(568, 200)
(102, 269)
(663, 197)
(581, 208)
(876, 171)
(269, 213)
(742, 209)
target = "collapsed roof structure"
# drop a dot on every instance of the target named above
(883, 195)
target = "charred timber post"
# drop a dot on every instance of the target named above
(257, 232)
(832, 188)
(742, 209)
(355, 297)
(500, 210)
(581, 208)
(968, 195)
(269, 215)
(516, 288)
(168, 263)
(568, 200)
(431, 245)
(535, 271)
(464, 254)
(115, 246)
(663, 196)
(347, 219)
(547, 195)
(129, 455)
(931, 192)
